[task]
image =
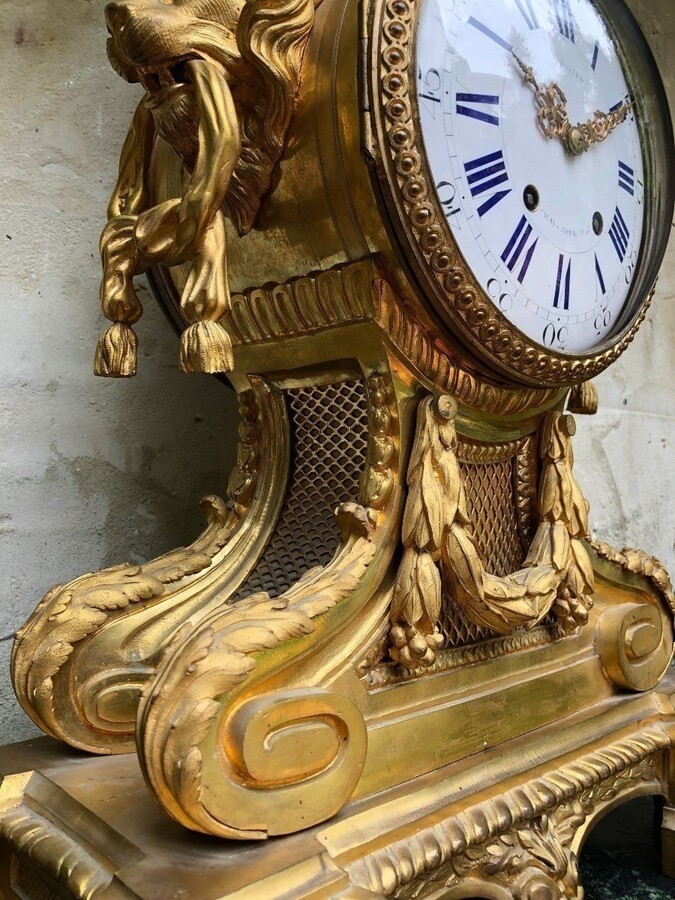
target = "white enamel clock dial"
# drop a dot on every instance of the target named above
(552, 237)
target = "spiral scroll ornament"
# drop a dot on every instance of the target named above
(228, 759)
(635, 640)
(94, 710)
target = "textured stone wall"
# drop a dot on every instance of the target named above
(624, 454)
(93, 471)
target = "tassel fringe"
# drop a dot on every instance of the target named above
(116, 352)
(584, 399)
(206, 347)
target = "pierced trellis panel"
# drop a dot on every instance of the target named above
(329, 428)
(500, 480)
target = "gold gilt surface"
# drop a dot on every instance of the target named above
(394, 664)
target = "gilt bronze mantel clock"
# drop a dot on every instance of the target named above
(410, 232)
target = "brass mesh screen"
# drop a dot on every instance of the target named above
(490, 495)
(491, 502)
(329, 428)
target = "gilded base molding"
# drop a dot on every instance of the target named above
(447, 836)
(524, 841)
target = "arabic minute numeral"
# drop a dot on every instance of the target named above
(555, 336)
(602, 320)
(495, 292)
(630, 267)
(430, 90)
(447, 194)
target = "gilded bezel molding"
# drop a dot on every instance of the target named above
(412, 199)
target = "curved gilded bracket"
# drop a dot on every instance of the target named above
(634, 638)
(224, 755)
(640, 563)
(81, 660)
(437, 529)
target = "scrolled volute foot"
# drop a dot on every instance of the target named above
(228, 746)
(46, 649)
(635, 640)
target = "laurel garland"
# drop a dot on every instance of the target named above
(437, 531)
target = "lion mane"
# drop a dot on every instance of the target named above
(271, 38)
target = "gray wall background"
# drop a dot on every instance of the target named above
(96, 471)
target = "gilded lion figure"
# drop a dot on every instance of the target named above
(221, 78)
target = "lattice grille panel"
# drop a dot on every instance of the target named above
(491, 502)
(329, 428)
(490, 496)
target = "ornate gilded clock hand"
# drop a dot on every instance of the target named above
(527, 71)
(552, 116)
(596, 129)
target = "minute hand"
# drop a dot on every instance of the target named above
(552, 116)
(580, 137)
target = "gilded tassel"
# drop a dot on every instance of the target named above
(206, 347)
(116, 352)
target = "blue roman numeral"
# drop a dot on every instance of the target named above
(516, 249)
(562, 283)
(614, 108)
(479, 100)
(489, 33)
(483, 175)
(525, 7)
(563, 14)
(619, 234)
(596, 50)
(598, 272)
(626, 178)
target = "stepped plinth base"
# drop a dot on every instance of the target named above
(508, 822)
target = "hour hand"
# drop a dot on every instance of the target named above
(552, 116)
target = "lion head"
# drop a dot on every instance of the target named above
(257, 45)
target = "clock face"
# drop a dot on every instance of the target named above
(549, 218)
